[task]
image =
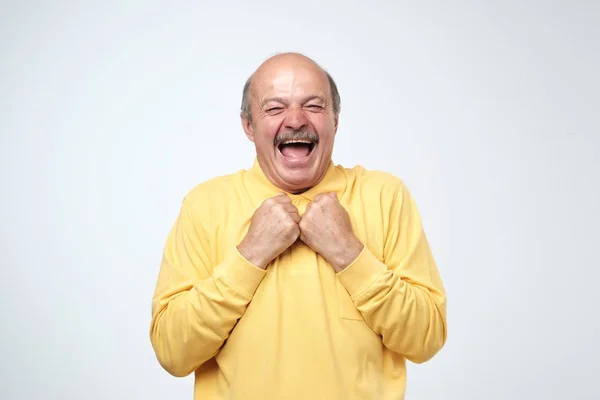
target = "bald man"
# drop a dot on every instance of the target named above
(297, 278)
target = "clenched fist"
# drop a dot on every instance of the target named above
(326, 228)
(273, 229)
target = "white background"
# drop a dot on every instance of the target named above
(110, 112)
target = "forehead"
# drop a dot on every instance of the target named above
(290, 81)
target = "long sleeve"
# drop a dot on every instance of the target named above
(402, 298)
(197, 304)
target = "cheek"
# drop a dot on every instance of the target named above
(326, 128)
(266, 132)
(322, 121)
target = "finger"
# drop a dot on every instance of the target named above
(327, 197)
(280, 199)
(289, 207)
(324, 197)
(295, 217)
(302, 236)
(319, 197)
(284, 198)
(308, 206)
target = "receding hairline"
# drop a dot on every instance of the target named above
(247, 91)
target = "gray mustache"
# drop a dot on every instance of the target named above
(296, 135)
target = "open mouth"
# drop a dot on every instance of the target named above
(296, 148)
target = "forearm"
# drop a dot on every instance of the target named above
(190, 324)
(409, 317)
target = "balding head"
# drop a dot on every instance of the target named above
(285, 60)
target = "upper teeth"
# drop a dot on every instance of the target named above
(296, 141)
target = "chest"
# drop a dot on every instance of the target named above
(366, 215)
(300, 315)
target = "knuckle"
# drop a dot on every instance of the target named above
(288, 222)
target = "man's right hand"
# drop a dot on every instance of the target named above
(273, 229)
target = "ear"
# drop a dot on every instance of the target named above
(336, 122)
(248, 128)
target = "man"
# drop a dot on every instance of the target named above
(297, 278)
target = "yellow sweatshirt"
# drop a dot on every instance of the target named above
(297, 330)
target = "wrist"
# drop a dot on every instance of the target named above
(250, 253)
(348, 254)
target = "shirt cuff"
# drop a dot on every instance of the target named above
(361, 273)
(239, 273)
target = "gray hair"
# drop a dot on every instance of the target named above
(335, 95)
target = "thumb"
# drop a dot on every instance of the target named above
(333, 195)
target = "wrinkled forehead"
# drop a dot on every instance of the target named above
(291, 82)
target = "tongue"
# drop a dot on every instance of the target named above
(296, 150)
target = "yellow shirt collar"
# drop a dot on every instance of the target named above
(333, 181)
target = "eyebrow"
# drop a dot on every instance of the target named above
(272, 99)
(284, 101)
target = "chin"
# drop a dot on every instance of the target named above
(297, 179)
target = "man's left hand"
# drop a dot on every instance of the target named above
(326, 228)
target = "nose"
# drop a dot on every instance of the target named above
(295, 119)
